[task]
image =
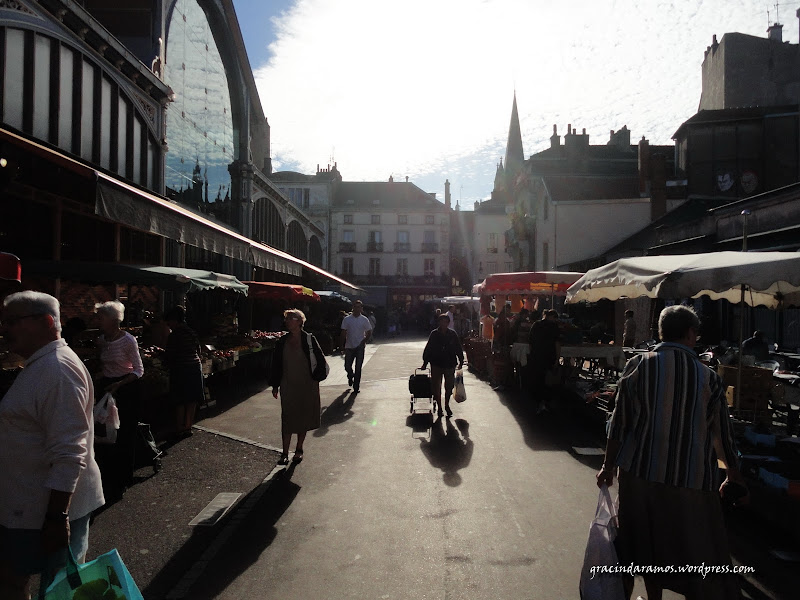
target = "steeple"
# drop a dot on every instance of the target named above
(514, 154)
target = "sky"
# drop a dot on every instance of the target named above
(423, 88)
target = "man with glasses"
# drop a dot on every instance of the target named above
(356, 332)
(51, 483)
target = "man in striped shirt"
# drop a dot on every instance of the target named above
(669, 427)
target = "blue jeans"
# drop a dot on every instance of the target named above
(349, 355)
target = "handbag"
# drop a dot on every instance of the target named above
(106, 420)
(600, 551)
(105, 577)
(460, 392)
(312, 348)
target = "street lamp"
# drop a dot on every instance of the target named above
(745, 213)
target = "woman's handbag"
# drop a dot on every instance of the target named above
(106, 420)
(460, 392)
(600, 552)
(105, 577)
(313, 346)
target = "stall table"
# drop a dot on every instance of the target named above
(613, 356)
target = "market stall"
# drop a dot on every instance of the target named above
(523, 289)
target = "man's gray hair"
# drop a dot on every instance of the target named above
(674, 323)
(112, 308)
(36, 303)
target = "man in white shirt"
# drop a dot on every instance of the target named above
(356, 332)
(51, 483)
(451, 313)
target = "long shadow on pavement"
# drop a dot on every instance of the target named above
(565, 426)
(337, 412)
(253, 535)
(448, 448)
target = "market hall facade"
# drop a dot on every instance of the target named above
(120, 148)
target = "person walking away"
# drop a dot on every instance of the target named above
(451, 314)
(373, 322)
(182, 357)
(669, 426)
(544, 352)
(629, 330)
(297, 367)
(443, 351)
(120, 377)
(51, 482)
(356, 332)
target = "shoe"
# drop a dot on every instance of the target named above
(356, 390)
(283, 460)
(449, 412)
(440, 413)
(349, 381)
(298, 456)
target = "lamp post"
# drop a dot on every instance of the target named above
(745, 213)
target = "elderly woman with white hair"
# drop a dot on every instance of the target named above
(297, 367)
(122, 369)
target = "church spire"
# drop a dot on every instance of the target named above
(514, 154)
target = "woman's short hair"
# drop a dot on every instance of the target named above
(674, 323)
(297, 313)
(36, 303)
(176, 313)
(112, 308)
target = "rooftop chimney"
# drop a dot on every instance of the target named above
(555, 139)
(391, 178)
(447, 193)
(775, 32)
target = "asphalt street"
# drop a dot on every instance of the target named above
(495, 502)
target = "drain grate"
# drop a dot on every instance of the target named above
(215, 509)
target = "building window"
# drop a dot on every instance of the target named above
(491, 245)
(306, 197)
(402, 237)
(509, 266)
(428, 219)
(374, 266)
(491, 267)
(430, 237)
(430, 266)
(376, 220)
(545, 255)
(347, 266)
(402, 266)
(348, 219)
(348, 236)
(375, 237)
(402, 219)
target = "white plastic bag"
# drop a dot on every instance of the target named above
(600, 552)
(106, 420)
(460, 392)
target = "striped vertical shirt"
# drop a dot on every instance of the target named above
(669, 406)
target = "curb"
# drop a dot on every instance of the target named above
(236, 517)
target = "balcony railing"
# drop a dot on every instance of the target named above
(402, 247)
(430, 247)
(374, 246)
(347, 246)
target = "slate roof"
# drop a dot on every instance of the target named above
(390, 194)
(735, 114)
(576, 187)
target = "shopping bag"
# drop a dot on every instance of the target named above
(600, 552)
(104, 578)
(106, 420)
(460, 392)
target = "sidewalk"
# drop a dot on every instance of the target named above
(150, 525)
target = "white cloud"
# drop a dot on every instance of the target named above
(424, 87)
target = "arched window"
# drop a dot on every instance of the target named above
(200, 132)
(297, 245)
(268, 226)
